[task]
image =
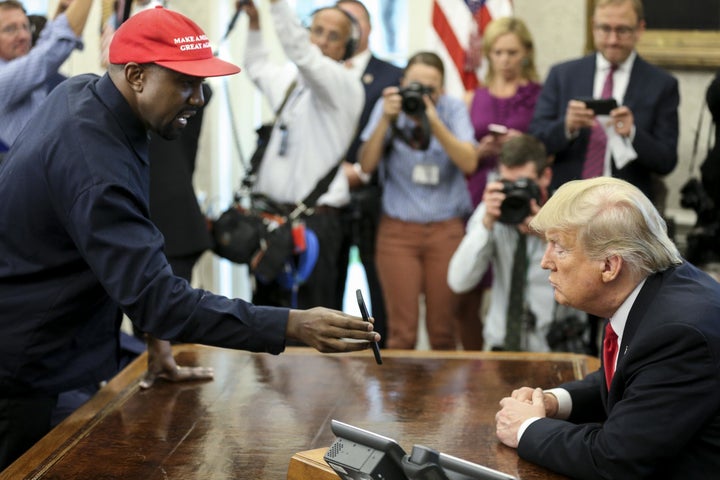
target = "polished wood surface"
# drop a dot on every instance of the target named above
(261, 411)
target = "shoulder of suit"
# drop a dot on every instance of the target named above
(651, 69)
(380, 64)
(573, 67)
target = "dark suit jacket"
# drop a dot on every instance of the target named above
(378, 75)
(173, 204)
(662, 413)
(652, 95)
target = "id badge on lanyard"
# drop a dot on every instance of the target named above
(426, 174)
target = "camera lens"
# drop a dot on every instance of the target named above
(514, 209)
(412, 102)
(516, 206)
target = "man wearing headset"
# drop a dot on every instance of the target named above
(323, 101)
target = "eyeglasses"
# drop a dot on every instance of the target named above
(622, 32)
(12, 30)
(319, 32)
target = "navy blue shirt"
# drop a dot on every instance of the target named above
(77, 246)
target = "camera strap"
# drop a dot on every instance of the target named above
(419, 138)
(305, 205)
(251, 172)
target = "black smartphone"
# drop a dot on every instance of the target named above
(601, 106)
(366, 317)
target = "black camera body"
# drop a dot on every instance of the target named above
(516, 206)
(412, 98)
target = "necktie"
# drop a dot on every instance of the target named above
(516, 297)
(610, 348)
(597, 143)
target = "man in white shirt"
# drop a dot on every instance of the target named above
(490, 241)
(312, 133)
(652, 410)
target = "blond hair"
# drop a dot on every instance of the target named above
(610, 217)
(514, 25)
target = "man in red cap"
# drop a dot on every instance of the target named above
(78, 246)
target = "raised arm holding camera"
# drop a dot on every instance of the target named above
(522, 305)
(421, 142)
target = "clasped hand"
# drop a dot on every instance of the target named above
(521, 405)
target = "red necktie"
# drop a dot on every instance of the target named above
(597, 143)
(610, 348)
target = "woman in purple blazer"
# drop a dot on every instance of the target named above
(507, 99)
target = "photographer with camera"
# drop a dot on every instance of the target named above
(522, 304)
(421, 142)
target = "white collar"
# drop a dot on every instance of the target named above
(619, 318)
(602, 64)
(360, 62)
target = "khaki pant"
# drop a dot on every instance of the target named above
(411, 259)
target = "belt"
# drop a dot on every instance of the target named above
(321, 209)
(326, 210)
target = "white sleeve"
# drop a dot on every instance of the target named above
(472, 257)
(330, 80)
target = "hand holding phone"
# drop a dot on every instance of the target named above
(600, 106)
(497, 129)
(366, 317)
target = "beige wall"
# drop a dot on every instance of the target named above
(558, 27)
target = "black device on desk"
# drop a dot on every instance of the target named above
(359, 454)
(366, 317)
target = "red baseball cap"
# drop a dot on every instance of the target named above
(169, 39)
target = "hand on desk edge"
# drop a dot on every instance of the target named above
(161, 364)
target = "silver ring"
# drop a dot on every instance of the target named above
(620, 125)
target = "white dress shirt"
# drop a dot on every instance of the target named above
(358, 63)
(618, 321)
(320, 116)
(481, 247)
(621, 78)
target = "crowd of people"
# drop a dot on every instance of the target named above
(452, 202)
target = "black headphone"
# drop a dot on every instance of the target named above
(352, 43)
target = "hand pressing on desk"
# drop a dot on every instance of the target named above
(161, 364)
(330, 331)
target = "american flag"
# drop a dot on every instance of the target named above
(457, 31)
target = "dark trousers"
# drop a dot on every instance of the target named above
(23, 421)
(319, 290)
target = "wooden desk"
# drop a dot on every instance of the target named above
(261, 410)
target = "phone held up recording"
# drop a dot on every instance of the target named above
(496, 129)
(600, 106)
(366, 317)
